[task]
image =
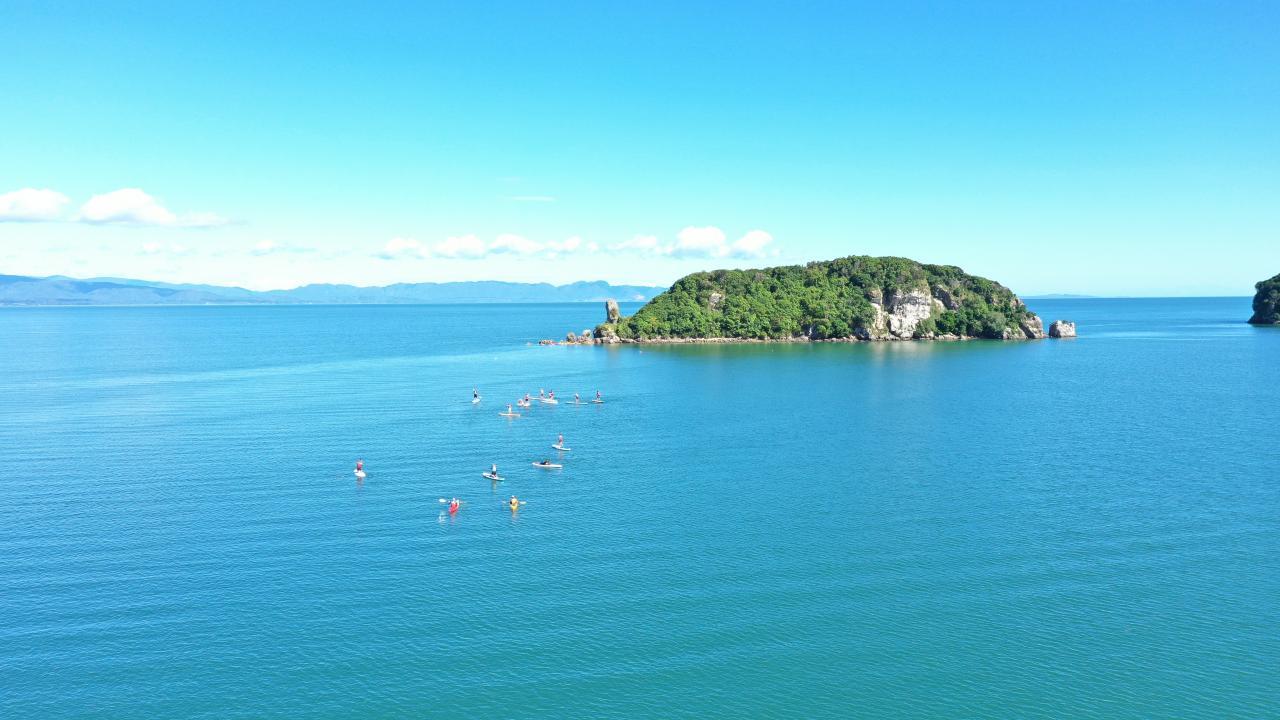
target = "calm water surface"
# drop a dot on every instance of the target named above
(1085, 528)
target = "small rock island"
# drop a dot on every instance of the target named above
(1266, 303)
(849, 299)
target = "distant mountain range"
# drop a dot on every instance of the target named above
(59, 290)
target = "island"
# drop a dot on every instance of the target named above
(855, 298)
(1266, 303)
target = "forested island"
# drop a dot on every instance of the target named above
(852, 298)
(1266, 303)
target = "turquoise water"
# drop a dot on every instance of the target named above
(1084, 528)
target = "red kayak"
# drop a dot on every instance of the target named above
(453, 508)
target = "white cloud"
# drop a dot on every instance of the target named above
(31, 205)
(700, 242)
(131, 206)
(472, 247)
(398, 247)
(691, 242)
(751, 245)
(515, 245)
(461, 246)
(568, 245)
(644, 243)
(271, 247)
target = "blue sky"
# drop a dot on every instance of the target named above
(1111, 148)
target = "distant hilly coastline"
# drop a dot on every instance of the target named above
(59, 290)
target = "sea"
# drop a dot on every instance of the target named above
(1085, 528)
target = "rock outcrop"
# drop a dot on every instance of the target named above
(1266, 302)
(1033, 328)
(902, 313)
(612, 314)
(1062, 329)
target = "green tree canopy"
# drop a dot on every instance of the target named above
(822, 300)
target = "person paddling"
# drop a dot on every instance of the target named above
(514, 503)
(509, 410)
(576, 399)
(560, 440)
(475, 394)
(359, 465)
(598, 398)
(454, 504)
(494, 470)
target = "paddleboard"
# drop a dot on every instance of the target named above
(549, 401)
(552, 466)
(509, 414)
(360, 474)
(475, 400)
(491, 476)
(597, 402)
(561, 448)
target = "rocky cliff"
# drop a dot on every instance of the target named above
(853, 298)
(1266, 303)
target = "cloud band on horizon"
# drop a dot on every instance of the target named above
(691, 242)
(126, 206)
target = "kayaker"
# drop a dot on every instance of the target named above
(514, 503)
(453, 505)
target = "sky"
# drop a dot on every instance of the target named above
(1113, 148)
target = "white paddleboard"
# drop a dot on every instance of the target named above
(597, 402)
(360, 474)
(550, 401)
(475, 400)
(491, 476)
(510, 414)
(561, 448)
(552, 466)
